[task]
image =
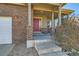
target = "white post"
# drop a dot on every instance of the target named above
(29, 14)
(53, 25)
(30, 43)
(59, 15)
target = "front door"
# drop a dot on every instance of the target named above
(36, 26)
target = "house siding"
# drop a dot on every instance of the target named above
(19, 23)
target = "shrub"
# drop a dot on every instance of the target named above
(68, 35)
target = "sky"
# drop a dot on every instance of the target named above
(73, 6)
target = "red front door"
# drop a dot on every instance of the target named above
(36, 24)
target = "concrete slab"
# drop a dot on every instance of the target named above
(41, 34)
(47, 47)
(58, 53)
(21, 50)
(41, 37)
(5, 49)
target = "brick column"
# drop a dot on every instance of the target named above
(29, 32)
(30, 41)
(29, 26)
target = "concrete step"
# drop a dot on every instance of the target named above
(40, 34)
(41, 37)
(47, 47)
(58, 53)
(42, 41)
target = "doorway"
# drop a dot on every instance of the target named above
(36, 24)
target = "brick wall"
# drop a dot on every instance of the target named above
(19, 23)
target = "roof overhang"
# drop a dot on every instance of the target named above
(51, 7)
(65, 11)
(58, 4)
(45, 7)
(17, 4)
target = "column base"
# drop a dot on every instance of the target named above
(30, 43)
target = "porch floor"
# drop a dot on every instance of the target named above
(41, 36)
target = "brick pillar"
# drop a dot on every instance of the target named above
(30, 41)
(29, 26)
(29, 32)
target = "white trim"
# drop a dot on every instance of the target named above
(59, 15)
(30, 43)
(52, 21)
(29, 14)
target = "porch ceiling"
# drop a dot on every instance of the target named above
(49, 14)
(50, 8)
(46, 14)
(57, 4)
(44, 7)
(42, 13)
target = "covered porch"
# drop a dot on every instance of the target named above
(44, 19)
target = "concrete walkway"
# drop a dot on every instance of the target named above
(45, 45)
(5, 49)
(21, 50)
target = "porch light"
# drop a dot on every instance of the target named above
(14, 17)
